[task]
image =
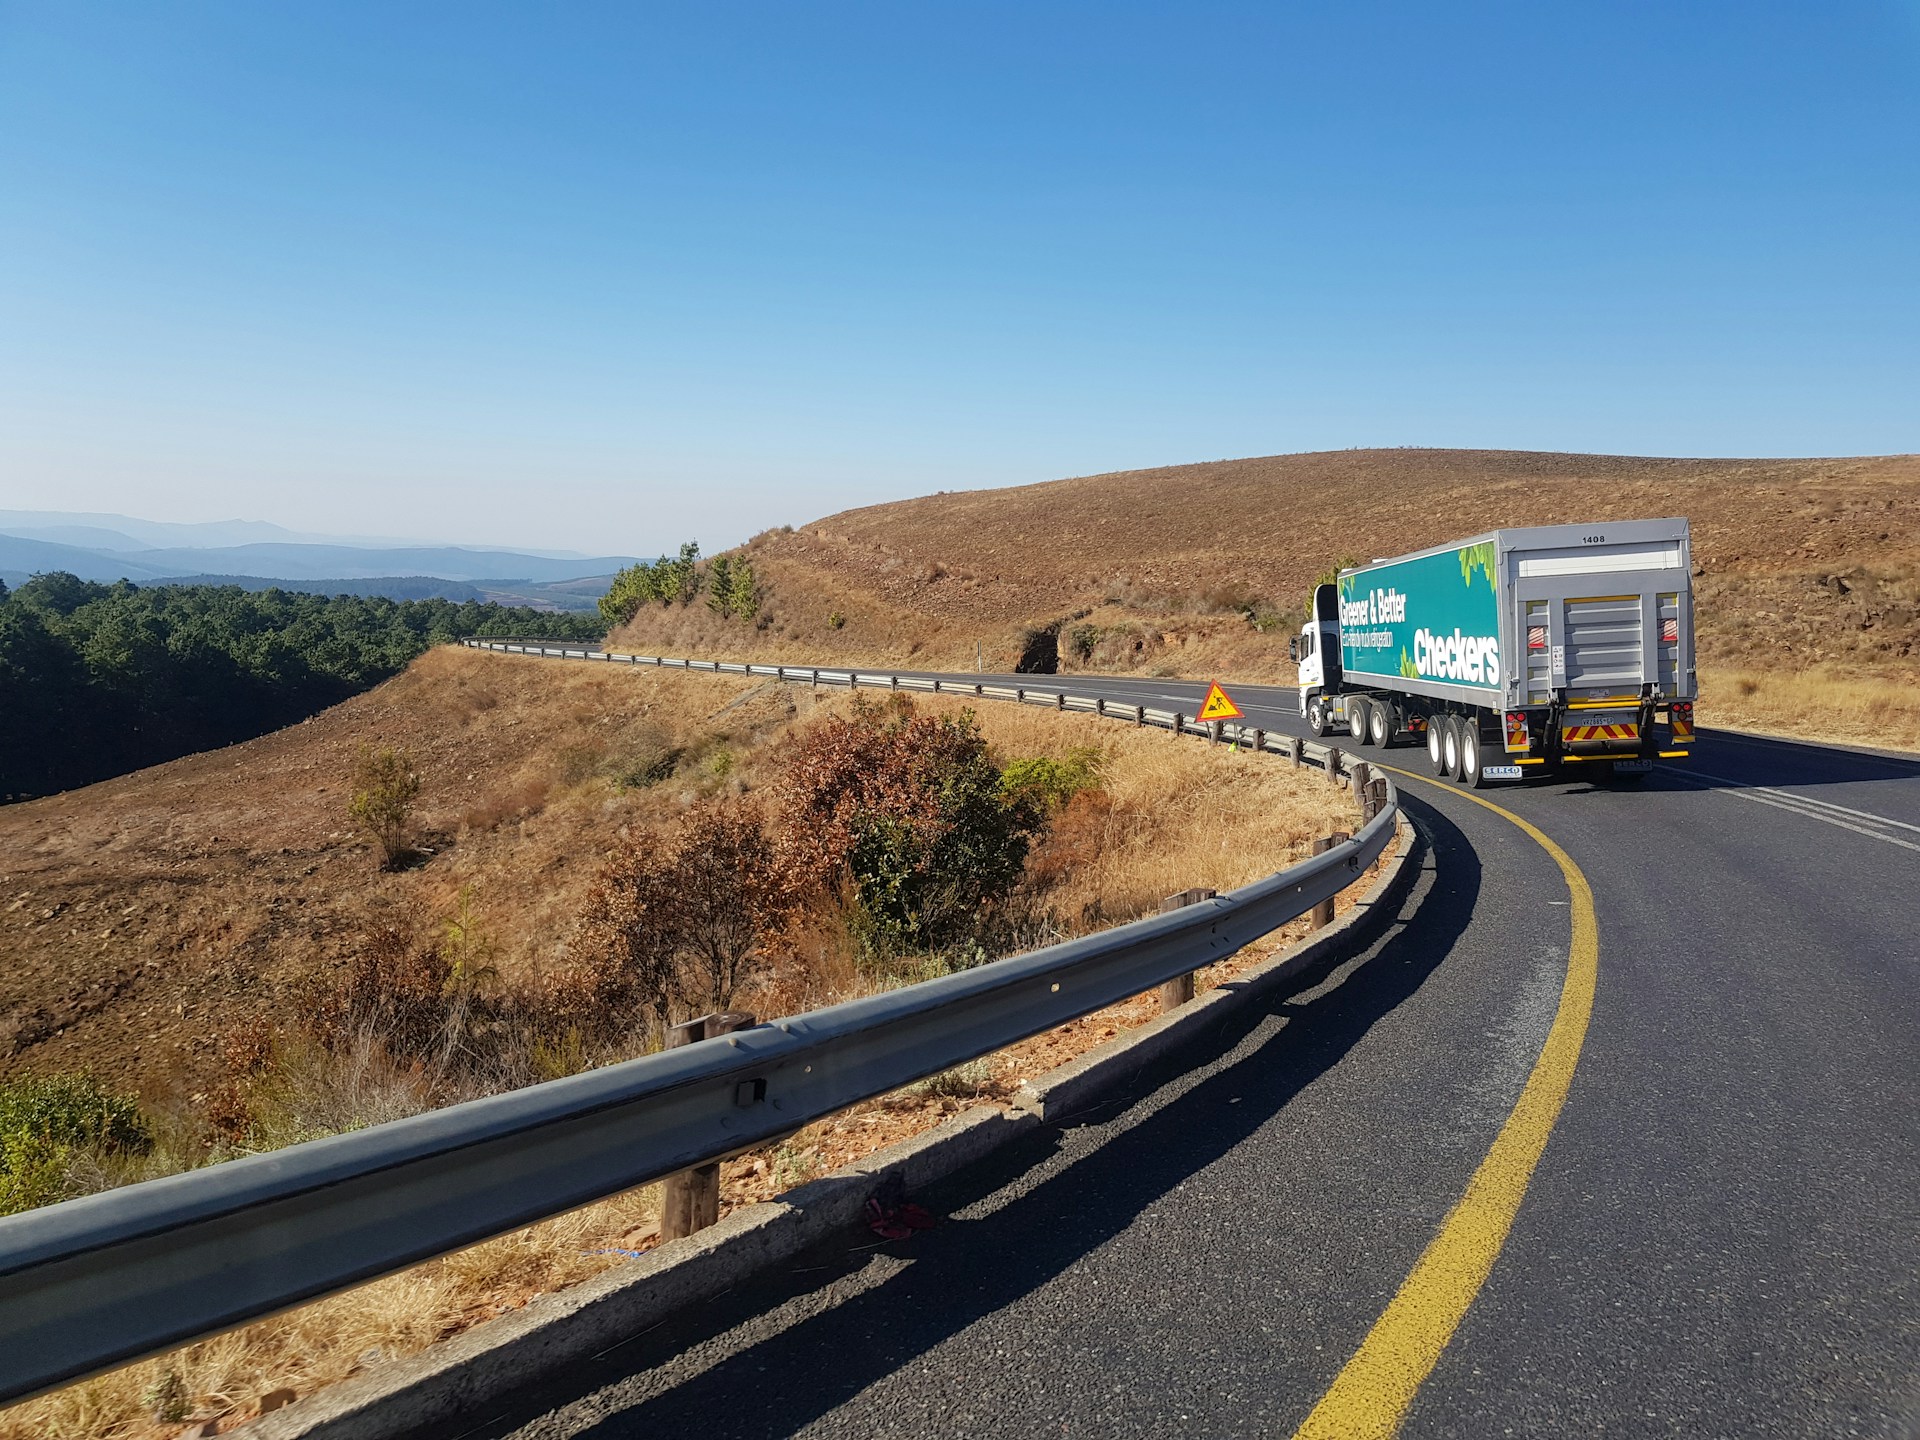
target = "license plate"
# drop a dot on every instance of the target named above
(1632, 767)
(1500, 772)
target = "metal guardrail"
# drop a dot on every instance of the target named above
(98, 1281)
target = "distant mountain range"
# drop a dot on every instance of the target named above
(256, 554)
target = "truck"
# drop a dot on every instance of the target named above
(1513, 653)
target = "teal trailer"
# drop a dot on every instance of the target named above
(1514, 652)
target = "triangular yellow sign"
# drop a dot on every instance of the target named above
(1218, 706)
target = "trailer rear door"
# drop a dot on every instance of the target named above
(1604, 618)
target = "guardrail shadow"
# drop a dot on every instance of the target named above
(791, 1347)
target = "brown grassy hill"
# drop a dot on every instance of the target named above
(1803, 565)
(140, 916)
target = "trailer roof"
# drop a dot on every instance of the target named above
(1548, 537)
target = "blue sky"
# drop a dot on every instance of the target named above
(608, 276)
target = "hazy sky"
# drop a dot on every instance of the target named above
(608, 276)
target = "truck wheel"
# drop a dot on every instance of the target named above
(1317, 717)
(1357, 721)
(1437, 744)
(1450, 745)
(1382, 722)
(1470, 752)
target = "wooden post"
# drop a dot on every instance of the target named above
(1379, 791)
(1295, 750)
(1213, 731)
(978, 688)
(1259, 742)
(1059, 700)
(1019, 696)
(1178, 991)
(1099, 706)
(1362, 772)
(1333, 764)
(1321, 915)
(690, 1199)
(893, 682)
(936, 687)
(1139, 715)
(1178, 724)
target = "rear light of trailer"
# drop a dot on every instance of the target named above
(1682, 720)
(1517, 738)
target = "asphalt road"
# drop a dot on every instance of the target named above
(1721, 1239)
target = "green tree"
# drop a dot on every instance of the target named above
(385, 786)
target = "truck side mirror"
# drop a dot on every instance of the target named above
(1293, 648)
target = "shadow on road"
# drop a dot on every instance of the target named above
(790, 1348)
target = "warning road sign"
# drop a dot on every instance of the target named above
(1218, 706)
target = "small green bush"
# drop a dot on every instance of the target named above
(44, 1122)
(385, 786)
(1048, 782)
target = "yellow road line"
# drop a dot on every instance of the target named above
(1372, 1394)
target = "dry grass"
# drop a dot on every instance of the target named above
(1819, 704)
(548, 737)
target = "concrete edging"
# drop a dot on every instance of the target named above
(478, 1366)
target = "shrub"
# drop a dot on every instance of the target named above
(393, 990)
(906, 812)
(384, 789)
(45, 1123)
(1047, 783)
(674, 920)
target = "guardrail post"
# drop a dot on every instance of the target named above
(1178, 723)
(1378, 791)
(690, 1199)
(936, 687)
(1321, 915)
(1259, 741)
(1214, 727)
(1296, 750)
(1019, 696)
(1059, 700)
(1178, 991)
(893, 682)
(1139, 715)
(1362, 773)
(816, 677)
(979, 689)
(1099, 706)
(1333, 764)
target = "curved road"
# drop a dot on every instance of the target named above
(1721, 1239)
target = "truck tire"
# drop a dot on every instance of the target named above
(1450, 745)
(1317, 717)
(1470, 752)
(1357, 711)
(1437, 744)
(1383, 721)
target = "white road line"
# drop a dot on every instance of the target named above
(1795, 795)
(1821, 810)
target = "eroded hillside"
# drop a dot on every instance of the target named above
(1803, 565)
